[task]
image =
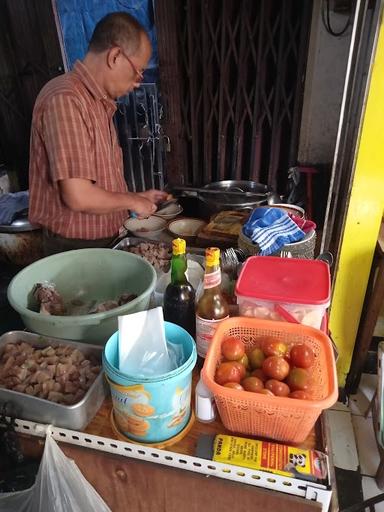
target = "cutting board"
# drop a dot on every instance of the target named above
(223, 228)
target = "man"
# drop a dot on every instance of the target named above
(77, 188)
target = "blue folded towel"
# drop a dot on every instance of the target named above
(271, 229)
(11, 204)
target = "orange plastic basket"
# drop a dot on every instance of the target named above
(279, 418)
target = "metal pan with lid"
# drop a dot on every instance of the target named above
(231, 194)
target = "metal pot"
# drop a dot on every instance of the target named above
(20, 242)
(260, 195)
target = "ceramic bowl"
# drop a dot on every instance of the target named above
(146, 228)
(187, 228)
(169, 212)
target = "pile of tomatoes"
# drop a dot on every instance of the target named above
(271, 369)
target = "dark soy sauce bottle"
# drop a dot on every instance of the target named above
(179, 297)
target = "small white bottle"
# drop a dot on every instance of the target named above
(205, 407)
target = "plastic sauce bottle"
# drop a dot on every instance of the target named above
(205, 407)
(212, 306)
(179, 296)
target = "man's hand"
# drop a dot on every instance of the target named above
(154, 195)
(143, 207)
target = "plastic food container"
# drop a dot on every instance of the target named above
(32, 408)
(285, 289)
(279, 418)
(84, 274)
(156, 408)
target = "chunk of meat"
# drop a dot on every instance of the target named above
(49, 299)
(104, 306)
(126, 297)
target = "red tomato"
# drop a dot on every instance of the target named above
(266, 391)
(228, 371)
(302, 356)
(234, 385)
(259, 374)
(241, 368)
(298, 378)
(300, 394)
(273, 347)
(252, 384)
(256, 358)
(232, 349)
(277, 387)
(276, 367)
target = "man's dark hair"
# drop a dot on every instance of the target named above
(117, 28)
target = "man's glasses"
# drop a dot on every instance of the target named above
(138, 73)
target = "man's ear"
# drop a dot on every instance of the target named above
(112, 56)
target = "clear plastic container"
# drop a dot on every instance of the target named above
(284, 289)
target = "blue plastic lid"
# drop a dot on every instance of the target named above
(287, 280)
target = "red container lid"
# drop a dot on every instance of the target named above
(287, 280)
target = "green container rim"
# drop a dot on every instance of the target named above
(64, 320)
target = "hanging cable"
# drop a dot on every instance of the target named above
(327, 20)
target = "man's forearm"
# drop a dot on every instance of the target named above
(84, 196)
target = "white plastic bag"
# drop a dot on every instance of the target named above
(59, 487)
(143, 348)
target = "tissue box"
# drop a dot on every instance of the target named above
(285, 289)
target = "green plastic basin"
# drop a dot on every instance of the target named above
(86, 274)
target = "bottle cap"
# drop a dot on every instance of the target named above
(212, 256)
(178, 246)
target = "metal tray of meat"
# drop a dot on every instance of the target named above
(157, 253)
(165, 249)
(76, 416)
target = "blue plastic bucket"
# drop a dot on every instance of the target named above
(152, 409)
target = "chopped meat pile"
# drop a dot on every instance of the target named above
(60, 374)
(51, 303)
(159, 255)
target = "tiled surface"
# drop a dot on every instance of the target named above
(339, 406)
(366, 445)
(365, 454)
(370, 489)
(343, 440)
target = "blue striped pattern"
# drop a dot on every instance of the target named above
(271, 229)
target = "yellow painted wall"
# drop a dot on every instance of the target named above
(363, 220)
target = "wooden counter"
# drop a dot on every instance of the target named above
(137, 485)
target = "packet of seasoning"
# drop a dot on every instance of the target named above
(280, 459)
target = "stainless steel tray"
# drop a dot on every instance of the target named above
(131, 241)
(75, 417)
(135, 241)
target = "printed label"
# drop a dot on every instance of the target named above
(205, 329)
(273, 457)
(213, 279)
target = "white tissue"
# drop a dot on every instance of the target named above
(142, 344)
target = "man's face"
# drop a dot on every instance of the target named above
(129, 69)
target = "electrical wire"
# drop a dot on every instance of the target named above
(327, 20)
